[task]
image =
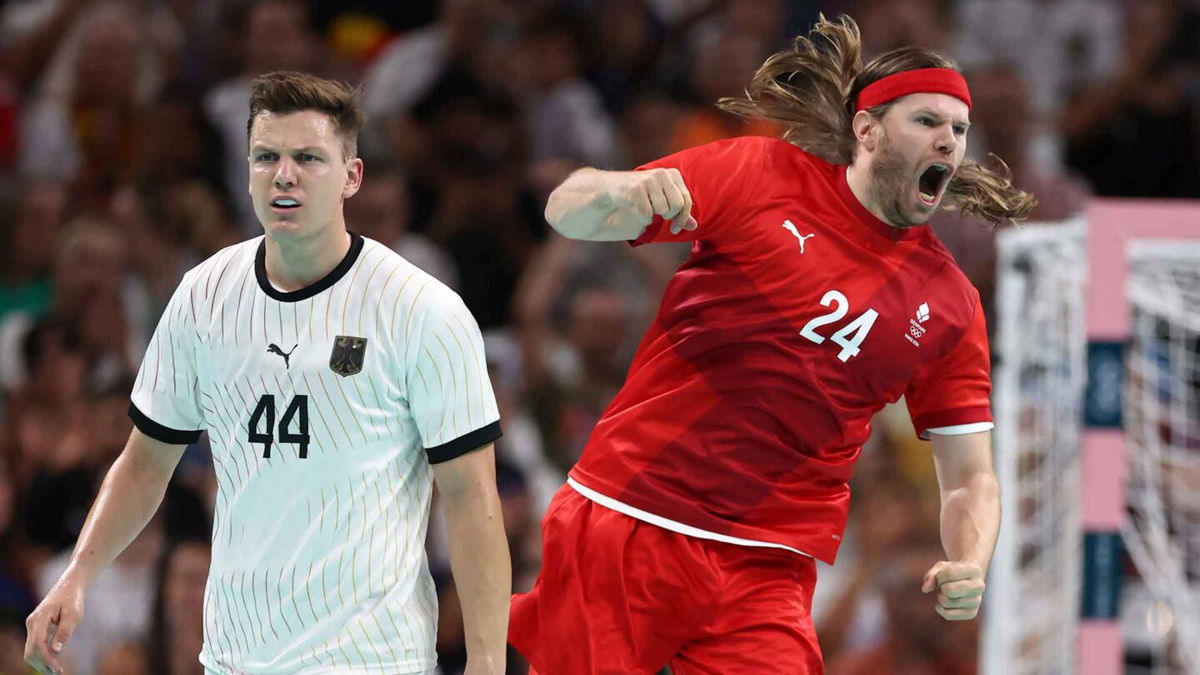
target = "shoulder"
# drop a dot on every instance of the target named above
(782, 156)
(947, 285)
(438, 301)
(743, 161)
(410, 287)
(725, 154)
(435, 319)
(235, 255)
(747, 149)
(443, 315)
(426, 255)
(941, 258)
(781, 165)
(395, 276)
(769, 159)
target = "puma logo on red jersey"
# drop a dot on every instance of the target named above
(791, 227)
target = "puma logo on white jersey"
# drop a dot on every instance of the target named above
(791, 227)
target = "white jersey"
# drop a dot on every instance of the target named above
(325, 407)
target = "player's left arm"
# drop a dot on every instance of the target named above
(970, 522)
(479, 557)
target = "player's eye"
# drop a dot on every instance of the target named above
(265, 157)
(959, 129)
(306, 157)
(926, 121)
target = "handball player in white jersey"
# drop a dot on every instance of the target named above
(337, 383)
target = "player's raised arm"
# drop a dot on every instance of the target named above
(618, 205)
(970, 522)
(479, 556)
(128, 498)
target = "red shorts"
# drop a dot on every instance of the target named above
(619, 595)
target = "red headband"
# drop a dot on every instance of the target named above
(922, 81)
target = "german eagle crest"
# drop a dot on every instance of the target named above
(347, 356)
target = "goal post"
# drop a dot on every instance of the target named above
(1039, 376)
(1162, 422)
(1063, 445)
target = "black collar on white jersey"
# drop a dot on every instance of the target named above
(260, 272)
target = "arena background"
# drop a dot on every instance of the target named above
(122, 164)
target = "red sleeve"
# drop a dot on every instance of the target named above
(719, 176)
(955, 389)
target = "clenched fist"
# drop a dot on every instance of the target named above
(658, 192)
(959, 588)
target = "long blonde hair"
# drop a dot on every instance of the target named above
(810, 90)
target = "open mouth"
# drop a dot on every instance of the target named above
(284, 204)
(932, 183)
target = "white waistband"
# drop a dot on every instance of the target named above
(668, 524)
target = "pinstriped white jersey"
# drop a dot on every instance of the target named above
(324, 408)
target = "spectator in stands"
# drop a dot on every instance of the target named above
(481, 211)
(1137, 134)
(579, 310)
(177, 628)
(565, 114)
(646, 129)
(15, 596)
(1057, 47)
(918, 641)
(28, 251)
(763, 18)
(849, 616)
(626, 42)
(106, 306)
(82, 124)
(408, 68)
(380, 211)
(890, 24)
(721, 69)
(274, 35)
(48, 398)
(12, 641)
(569, 402)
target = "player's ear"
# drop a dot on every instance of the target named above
(866, 129)
(354, 176)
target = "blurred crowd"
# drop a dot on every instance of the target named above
(123, 163)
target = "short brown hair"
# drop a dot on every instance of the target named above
(287, 91)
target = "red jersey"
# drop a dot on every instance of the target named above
(797, 316)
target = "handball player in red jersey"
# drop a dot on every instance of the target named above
(813, 296)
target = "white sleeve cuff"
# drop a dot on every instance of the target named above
(960, 429)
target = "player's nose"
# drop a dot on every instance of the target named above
(285, 173)
(945, 141)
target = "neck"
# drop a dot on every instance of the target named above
(293, 264)
(858, 176)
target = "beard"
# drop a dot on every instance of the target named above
(889, 186)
